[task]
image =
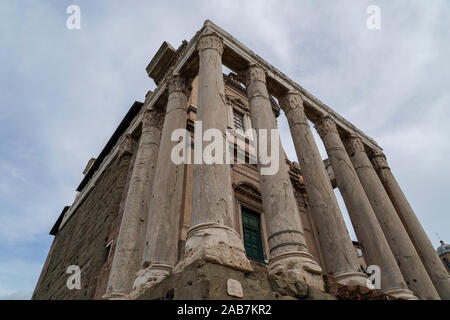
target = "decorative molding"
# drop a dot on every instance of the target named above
(247, 188)
(235, 101)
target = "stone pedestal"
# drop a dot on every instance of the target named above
(289, 256)
(419, 238)
(202, 280)
(160, 254)
(332, 232)
(129, 247)
(368, 231)
(212, 236)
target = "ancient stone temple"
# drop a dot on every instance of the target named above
(144, 226)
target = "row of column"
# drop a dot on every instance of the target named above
(366, 224)
(421, 242)
(212, 237)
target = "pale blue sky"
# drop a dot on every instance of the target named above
(63, 92)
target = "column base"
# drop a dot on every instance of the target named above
(353, 279)
(297, 265)
(215, 243)
(150, 276)
(400, 293)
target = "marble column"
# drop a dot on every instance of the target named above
(333, 235)
(419, 238)
(402, 248)
(375, 247)
(129, 247)
(161, 244)
(212, 236)
(289, 254)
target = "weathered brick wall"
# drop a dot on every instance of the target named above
(82, 240)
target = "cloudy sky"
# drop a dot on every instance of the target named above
(63, 92)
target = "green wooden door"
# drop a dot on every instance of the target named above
(252, 234)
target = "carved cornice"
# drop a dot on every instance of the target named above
(210, 41)
(354, 144)
(325, 126)
(176, 83)
(379, 161)
(152, 118)
(247, 188)
(168, 68)
(290, 101)
(254, 73)
(235, 101)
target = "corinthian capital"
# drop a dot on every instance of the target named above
(354, 144)
(210, 41)
(152, 118)
(290, 101)
(379, 160)
(254, 73)
(176, 83)
(325, 126)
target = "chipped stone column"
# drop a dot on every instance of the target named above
(419, 238)
(367, 228)
(129, 247)
(289, 256)
(340, 255)
(161, 244)
(212, 236)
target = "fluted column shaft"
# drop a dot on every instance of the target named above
(340, 255)
(212, 236)
(419, 238)
(287, 244)
(129, 247)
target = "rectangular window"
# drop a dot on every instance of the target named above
(252, 234)
(238, 119)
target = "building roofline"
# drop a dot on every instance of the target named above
(55, 227)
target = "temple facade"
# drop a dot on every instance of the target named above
(144, 226)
